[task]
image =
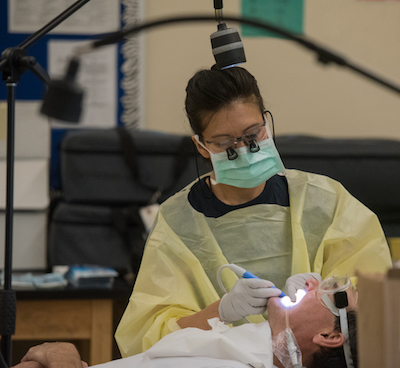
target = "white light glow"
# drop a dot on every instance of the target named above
(287, 303)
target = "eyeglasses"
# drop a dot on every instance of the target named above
(339, 287)
(250, 138)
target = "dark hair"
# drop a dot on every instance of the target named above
(334, 357)
(210, 90)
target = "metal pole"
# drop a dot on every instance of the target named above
(11, 64)
(9, 300)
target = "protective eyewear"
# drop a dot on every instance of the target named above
(250, 138)
(333, 293)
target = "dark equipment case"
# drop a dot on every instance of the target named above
(107, 176)
(117, 166)
(368, 168)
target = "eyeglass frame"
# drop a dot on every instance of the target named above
(339, 309)
(243, 139)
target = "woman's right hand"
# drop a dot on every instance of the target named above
(247, 297)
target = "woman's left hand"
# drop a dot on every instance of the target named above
(296, 282)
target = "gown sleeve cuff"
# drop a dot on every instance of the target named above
(172, 325)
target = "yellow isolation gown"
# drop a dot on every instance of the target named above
(324, 230)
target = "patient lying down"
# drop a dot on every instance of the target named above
(315, 328)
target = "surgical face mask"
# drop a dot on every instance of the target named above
(248, 169)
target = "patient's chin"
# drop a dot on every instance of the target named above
(274, 300)
(275, 306)
(276, 315)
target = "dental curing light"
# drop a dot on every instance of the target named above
(241, 272)
(287, 303)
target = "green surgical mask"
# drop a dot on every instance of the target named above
(249, 169)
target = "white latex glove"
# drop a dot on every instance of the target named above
(296, 282)
(247, 297)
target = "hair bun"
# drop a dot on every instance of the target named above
(215, 67)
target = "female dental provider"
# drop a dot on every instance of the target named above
(249, 211)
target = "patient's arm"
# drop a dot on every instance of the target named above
(52, 355)
(199, 319)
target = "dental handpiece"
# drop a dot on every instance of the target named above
(241, 272)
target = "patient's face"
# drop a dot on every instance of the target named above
(309, 311)
(307, 318)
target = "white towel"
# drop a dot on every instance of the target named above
(249, 344)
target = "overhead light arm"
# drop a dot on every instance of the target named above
(324, 55)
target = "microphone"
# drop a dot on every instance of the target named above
(64, 97)
(227, 47)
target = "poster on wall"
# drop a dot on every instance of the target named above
(98, 71)
(287, 14)
(119, 99)
(112, 76)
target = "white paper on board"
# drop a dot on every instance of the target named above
(97, 16)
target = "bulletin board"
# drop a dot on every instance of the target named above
(111, 76)
(101, 71)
